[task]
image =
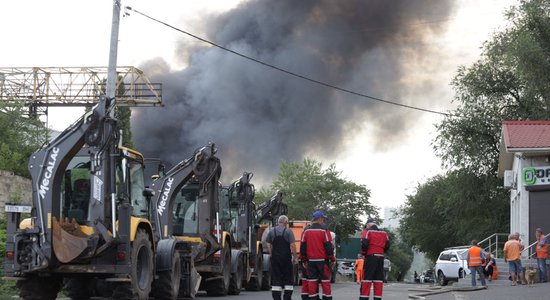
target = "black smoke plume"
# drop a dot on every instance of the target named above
(259, 117)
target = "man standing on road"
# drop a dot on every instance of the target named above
(374, 243)
(282, 247)
(476, 259)
(512, 255)
(317, 249)
(542, 255)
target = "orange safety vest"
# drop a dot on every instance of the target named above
(475, 256)
(542, 252)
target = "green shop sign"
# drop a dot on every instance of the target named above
(536, 175)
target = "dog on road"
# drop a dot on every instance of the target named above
(530, 275)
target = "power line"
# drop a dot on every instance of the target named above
(286, 71)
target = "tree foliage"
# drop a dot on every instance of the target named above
(452, 209)
(400, 255)
(307, 187)
(508, 82)
(19, 138)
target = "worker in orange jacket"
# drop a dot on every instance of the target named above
(476, 261)
(359, 268)
(542, 255)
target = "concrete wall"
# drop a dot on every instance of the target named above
(13, 186)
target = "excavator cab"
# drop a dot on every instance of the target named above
(74, 227)
(185, 222)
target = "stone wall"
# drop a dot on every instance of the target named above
(14, 188)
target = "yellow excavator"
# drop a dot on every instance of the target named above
(91, 229)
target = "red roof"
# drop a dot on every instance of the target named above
(526, 134)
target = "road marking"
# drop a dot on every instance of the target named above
(459, 296)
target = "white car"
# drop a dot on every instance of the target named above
(451, 265)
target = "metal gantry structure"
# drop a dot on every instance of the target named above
(38, 88)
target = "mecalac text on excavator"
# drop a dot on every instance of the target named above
(165, 193)
(45, 184)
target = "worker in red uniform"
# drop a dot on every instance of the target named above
(318, 250)
(374, 243)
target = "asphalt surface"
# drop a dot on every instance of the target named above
(499, 289)
(399, 291)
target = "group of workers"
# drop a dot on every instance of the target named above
(482, 263)
(316, 258)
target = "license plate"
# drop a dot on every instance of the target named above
(18, 208)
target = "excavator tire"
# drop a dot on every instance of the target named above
(236, 281)
(79, 288)
(141, 271)
(220, 287)
(255, 283)
(39, 288)
(167, 285)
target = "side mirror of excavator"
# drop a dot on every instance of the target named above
(148, 193)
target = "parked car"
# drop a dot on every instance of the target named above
(345, 268)
(427, 276)
(451, 265)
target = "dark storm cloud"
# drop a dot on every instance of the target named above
(258, 116)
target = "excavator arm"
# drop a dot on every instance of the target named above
(53, 238)
(204, 168)
(272, 209)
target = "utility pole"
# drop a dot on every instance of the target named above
(111, 71)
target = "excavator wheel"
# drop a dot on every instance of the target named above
(80, 288)
(236, 281)
(141, 270)
(220, 287)
(167, 285)
(255, 283)
(39, 288)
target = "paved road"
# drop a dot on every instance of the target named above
(402, 291)
(500, 290)
(344, 291)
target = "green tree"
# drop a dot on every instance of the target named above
(452, 209)
(7, 287)
(19, 138)
(307, 187)
(508, 82)
(400, 255)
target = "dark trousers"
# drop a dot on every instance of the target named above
(372, 276)
(318, 271)
(282, 281)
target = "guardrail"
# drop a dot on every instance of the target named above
(494, 244)
(530, 248)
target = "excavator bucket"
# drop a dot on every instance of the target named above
(68, 240)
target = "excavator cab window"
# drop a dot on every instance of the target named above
(185, 211)
(75, 191)
(130, 185)
(137, 186)
(228, 213)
